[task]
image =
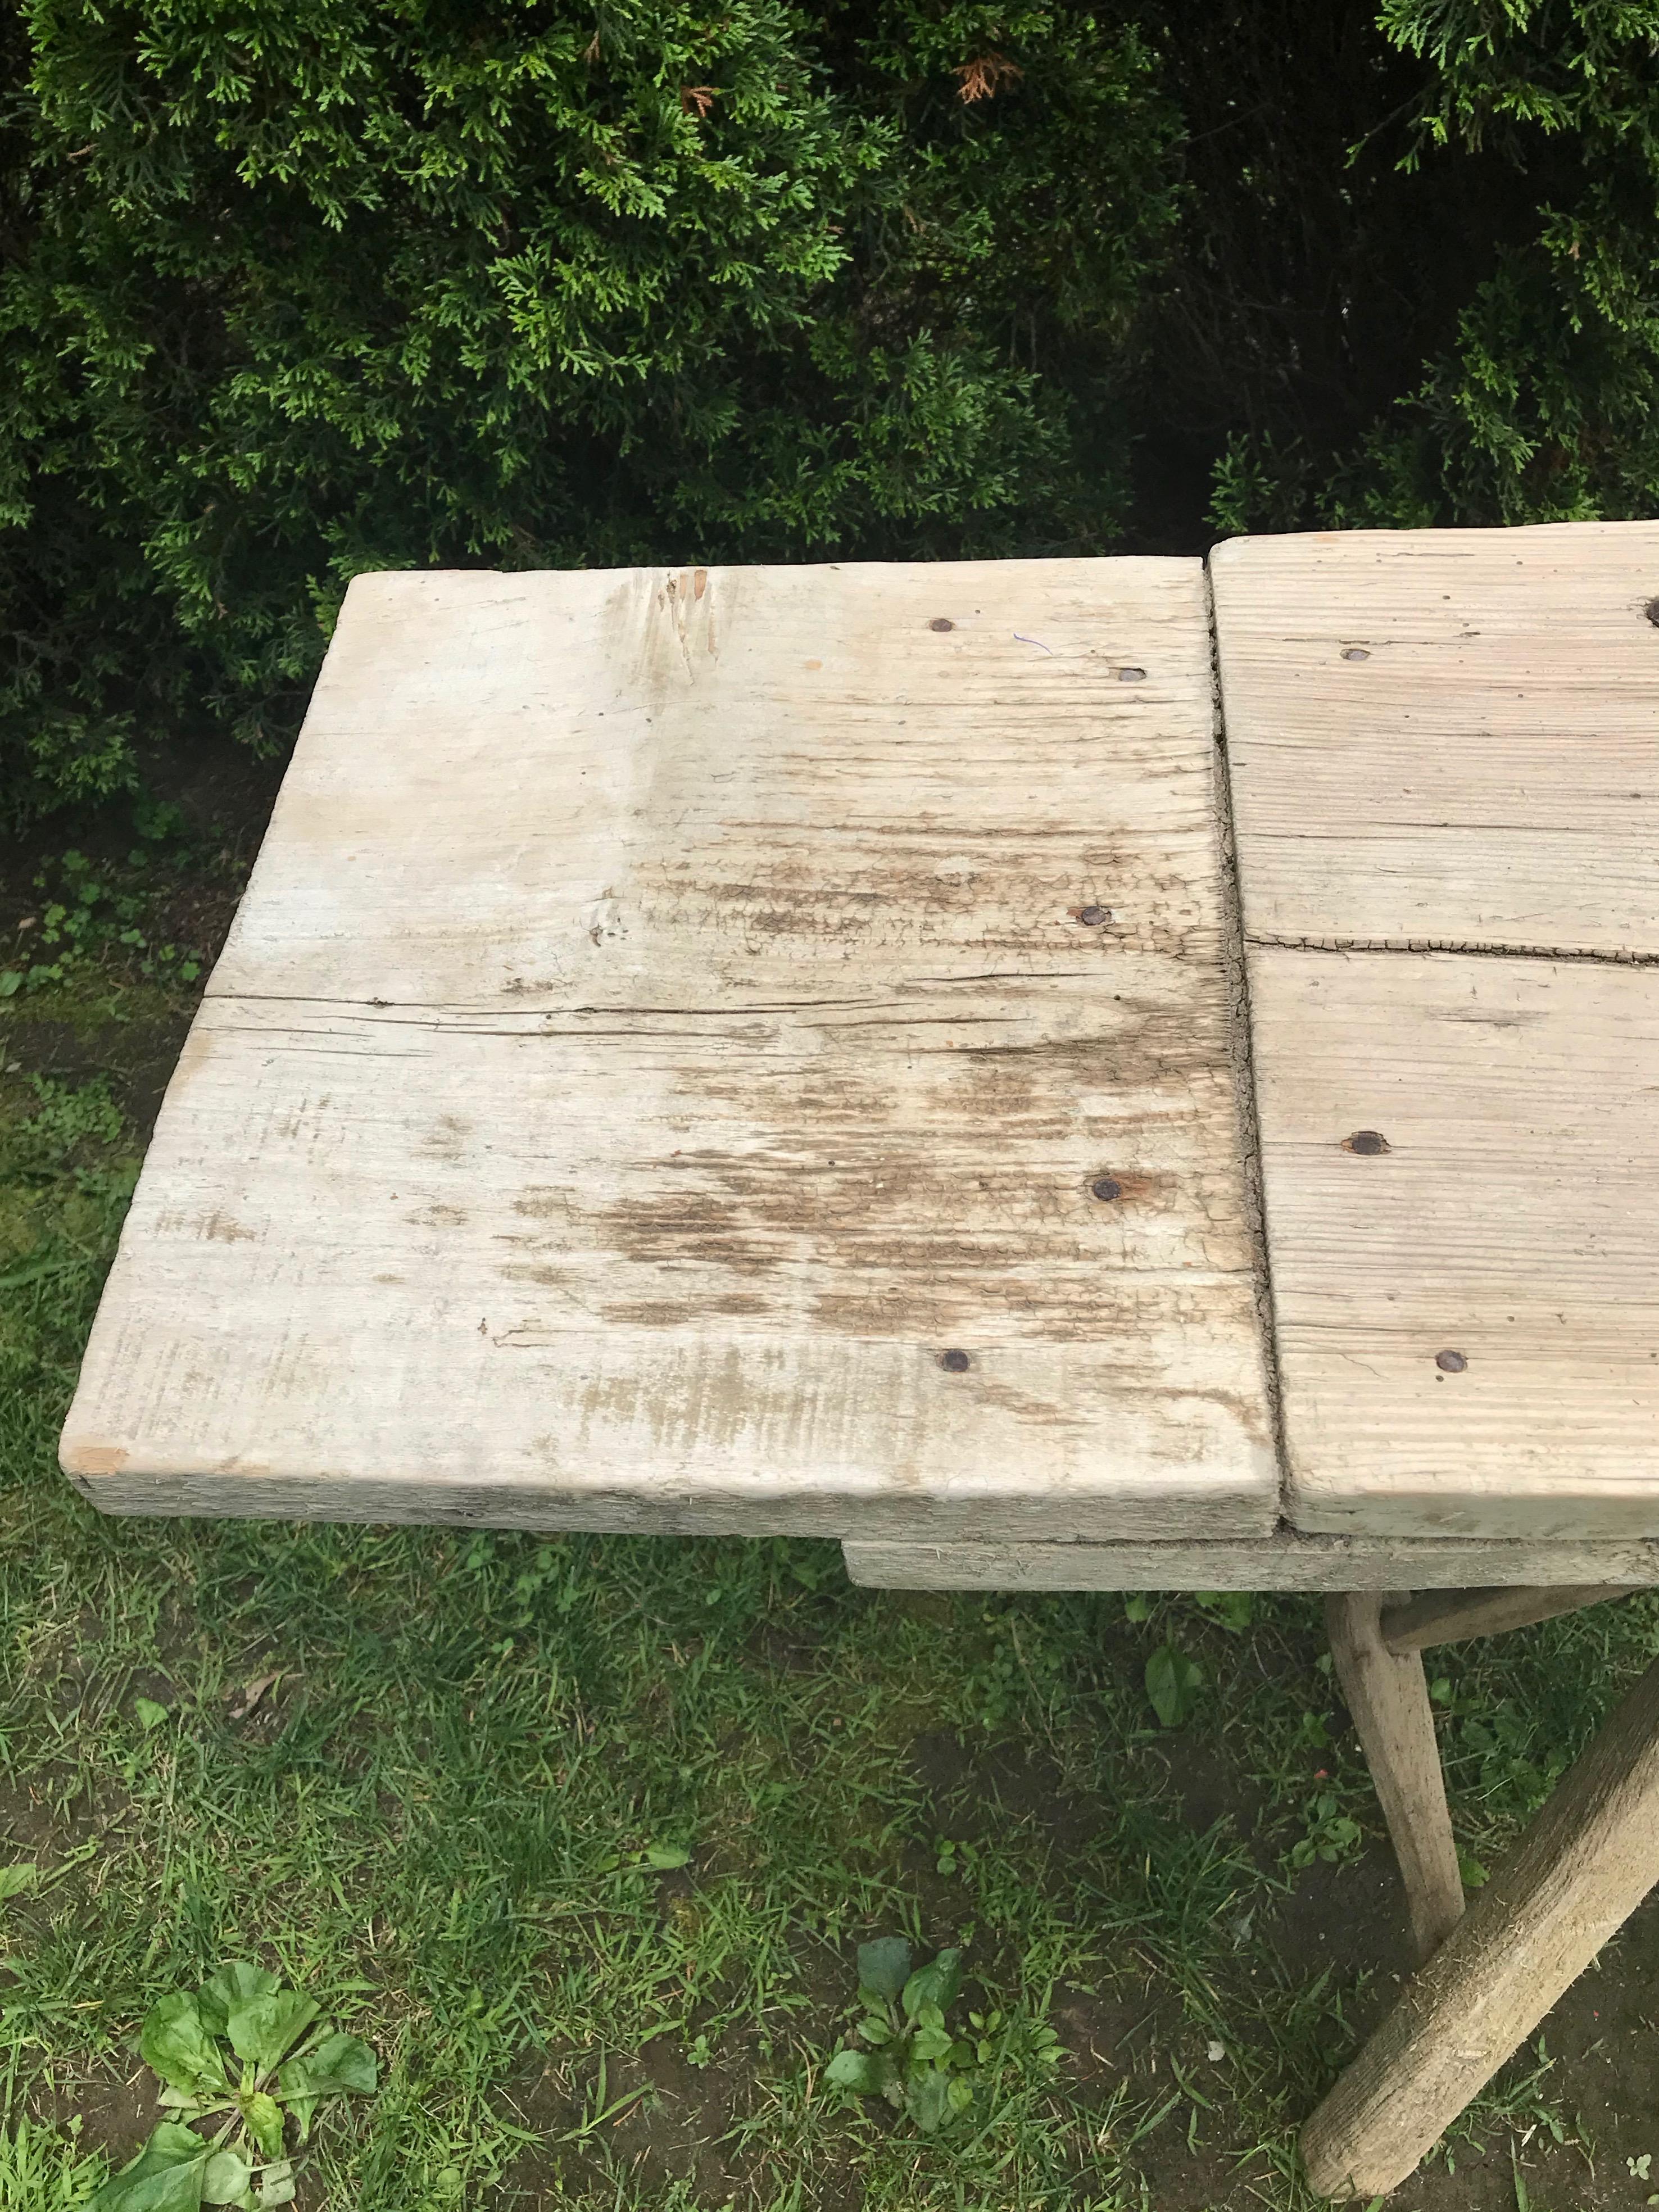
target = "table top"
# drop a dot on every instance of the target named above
(741, 1050)
(1444, 753)
(770, 1050)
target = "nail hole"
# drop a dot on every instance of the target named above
(1652, 611)
(1091, 916)
(1450, 1363)
(955, 1362)
(1132, 676)
(1355, 652)
(941, 622)
(1368, 1141)
(1104, 1187)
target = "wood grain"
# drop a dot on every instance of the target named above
(1446, 736)
(1454, 1616)
(1507, 1234)
(1580, 1870)
(669, 1013)
(1286, 1560)
(1388, 1695)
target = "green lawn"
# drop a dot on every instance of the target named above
(438, 1817)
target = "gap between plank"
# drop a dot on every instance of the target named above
(1236, 982)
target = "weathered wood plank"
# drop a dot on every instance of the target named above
(1581, 1869)
(1454, 1616)
(1286, 1560)
(1446, 736)
(1460, 1161)
(1388, 1695)
(669, 1015)
(731, 787)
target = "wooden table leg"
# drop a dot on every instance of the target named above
(1449, 1616)
(1580, 1870)
(1389, 1698)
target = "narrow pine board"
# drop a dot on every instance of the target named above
(1286, 1560)
(670, 1012)
(1446, 738)
(1511, 1226)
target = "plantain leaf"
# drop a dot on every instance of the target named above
(883, 1966)
(234, 1984)
(264, 2029)
(167, 2176)
(939, 1984)
(927, 2100)
(228, 2178)
(1172, 1683)
(264, 2116)
(862, 2071)
(175, 2041)
(338, 2065)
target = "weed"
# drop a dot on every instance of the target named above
(1330, 1833)
(286, 2066)
(1173, 1682)
(915, 2060)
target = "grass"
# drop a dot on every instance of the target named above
(419, 1771)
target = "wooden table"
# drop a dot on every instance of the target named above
(791, 1050)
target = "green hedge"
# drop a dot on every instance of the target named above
(296, 287)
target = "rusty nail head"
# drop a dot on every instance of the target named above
(1368, 1141)
(941, 622)
(1106, 1186)
(1091, 916)
(1450, 1363)
(1132, 676)
(955, 1362)
(1355, 652)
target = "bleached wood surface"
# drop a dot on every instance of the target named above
(1509, 1234)
(1286, 1560)
(669, 1013)
(1387, 1694)
(1455, 1616)
(1446, 736)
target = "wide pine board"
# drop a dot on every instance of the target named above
(1512, 1224)
(670, 1013)
(1443, 748)
(1446, 738)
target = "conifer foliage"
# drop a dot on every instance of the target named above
(291, 289)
